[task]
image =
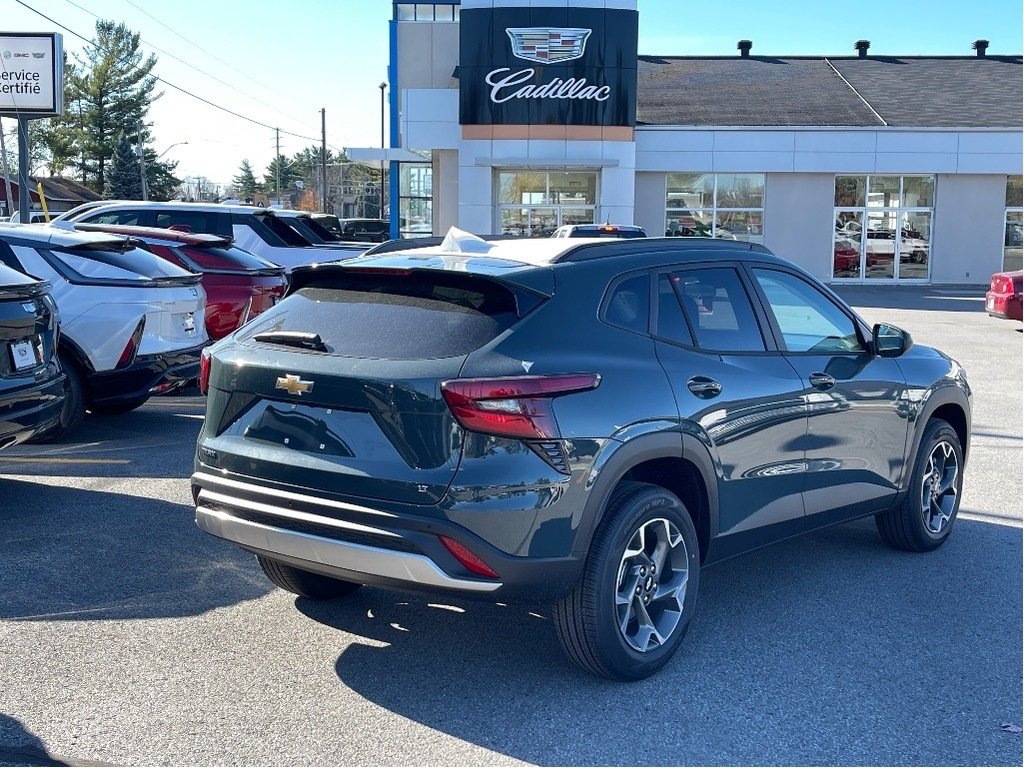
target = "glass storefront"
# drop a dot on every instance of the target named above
(536, 203)
(415, 200)
(724, 205)
(1014, 225)
(883, 227)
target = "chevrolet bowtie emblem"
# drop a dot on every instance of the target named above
(293, 385)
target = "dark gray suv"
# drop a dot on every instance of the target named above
(588, 423)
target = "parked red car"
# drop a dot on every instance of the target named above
(238, 284)
(1004, 295)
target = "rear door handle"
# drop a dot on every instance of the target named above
(702, 386)
(821, 381)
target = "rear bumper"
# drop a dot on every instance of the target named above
(1007, 307)
(164, 372)
(367, 545)
(28, 411)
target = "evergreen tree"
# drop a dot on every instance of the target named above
(124, 180)
(112, 89)
(160, 178)
(245, 182)
(288, 176)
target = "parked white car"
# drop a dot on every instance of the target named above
(131, 322)
(257, 230)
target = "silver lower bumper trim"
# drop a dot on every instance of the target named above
(356, 558)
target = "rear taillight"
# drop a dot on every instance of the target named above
(204, 370)
(131, 349)
(471, 562)
(1001, 284)
(516, 406)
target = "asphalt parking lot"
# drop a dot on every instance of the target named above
(127, 636)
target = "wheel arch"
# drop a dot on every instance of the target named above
(678, 462)
(72, 349)
(950, 404)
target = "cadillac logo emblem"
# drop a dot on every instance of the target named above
(548, 45)
(293, 385)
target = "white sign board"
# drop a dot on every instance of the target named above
(31, 74)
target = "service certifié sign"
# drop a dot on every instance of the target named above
(31, 74)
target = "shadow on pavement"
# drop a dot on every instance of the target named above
(827, 649)
(71, 554)
(19, 746)
(925, 297)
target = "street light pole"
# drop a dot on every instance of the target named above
(383, 87)
(142, 165)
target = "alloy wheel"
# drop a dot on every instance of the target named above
(651, 587)
(938, 487)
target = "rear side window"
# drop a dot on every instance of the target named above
(395, 317)
(718, 310)
(322, 232)
(202, 222)
(628, 303)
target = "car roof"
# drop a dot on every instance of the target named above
(182, 206)
(56, 236)
(156, 233)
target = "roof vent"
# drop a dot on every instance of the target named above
(980, 46)
(862, 47)
(744, 47)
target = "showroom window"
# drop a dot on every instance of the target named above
(415, 200)
(883, 227)
(724, 205)
(1014, 224)
(427, 11)
(536, 203)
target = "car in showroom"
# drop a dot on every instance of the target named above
(238, 285)
(450, 419)
(1005, 296)
(31, 383)
(254, 229)
(131, 322)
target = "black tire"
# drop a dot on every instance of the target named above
(305, 583)
(589, 619)
(924, 518)
(116, 408)
(73, 410)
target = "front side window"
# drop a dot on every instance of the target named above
(716, 309)
(808, 319)
(723, 205)
(536, 203)
(883, 227)
(1014, 225)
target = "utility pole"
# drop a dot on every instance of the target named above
(9, 209)
(277, 164)
(142, 165)
(24, 201)
(323, 159)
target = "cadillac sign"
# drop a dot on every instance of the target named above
(583, 74)
(31, 74)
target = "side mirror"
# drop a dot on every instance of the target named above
(890, 341)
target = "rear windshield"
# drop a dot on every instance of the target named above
(395, 317)
(283, 231)
(320, 231)
(207, 257)
(133, 264)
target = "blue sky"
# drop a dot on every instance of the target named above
(280, 62)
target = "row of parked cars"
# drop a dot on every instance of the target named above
(113, 302)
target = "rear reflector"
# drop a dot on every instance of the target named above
(204, 370)
(131, 349)
(472, 563)
(515, 406)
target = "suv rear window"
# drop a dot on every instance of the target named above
(97, 264)
(207, 257)
(395, 317)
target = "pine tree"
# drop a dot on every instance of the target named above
(112, 87)
(124, 181)
(245, 182)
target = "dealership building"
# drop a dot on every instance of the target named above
(519, 116)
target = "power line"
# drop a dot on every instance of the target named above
(198, 47)
(167, 82)
(190, 65)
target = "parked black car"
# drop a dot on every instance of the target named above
(31, 383)
(586, 422)
(365, 230)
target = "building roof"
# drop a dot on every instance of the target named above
(872, 91)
